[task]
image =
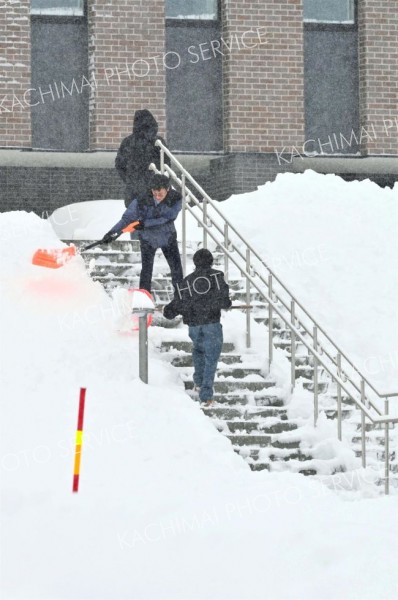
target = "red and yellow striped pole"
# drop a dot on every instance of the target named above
(79, 440)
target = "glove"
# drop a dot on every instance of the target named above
(109, 237)
(139, 226)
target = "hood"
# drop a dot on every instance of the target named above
(145, 124)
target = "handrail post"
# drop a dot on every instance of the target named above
(316, 406)
(339, 421)
(363, 426)
(248, 336)
(142, 314)
(161, 160)
(226, 245)
(292, 346)
(184, 225)
(205, 222)
(143, 347)
(270, 324)
(386, 451)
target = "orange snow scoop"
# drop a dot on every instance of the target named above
(56, 258)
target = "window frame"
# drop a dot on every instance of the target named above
(57, 17)
(333, 24)
(194, 22)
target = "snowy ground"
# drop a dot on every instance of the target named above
(165, 510)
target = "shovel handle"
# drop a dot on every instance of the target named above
(241, 306)
(91, 246)
(131, 227)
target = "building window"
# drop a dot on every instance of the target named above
(333, 11)
(57, 7)
(191, 9)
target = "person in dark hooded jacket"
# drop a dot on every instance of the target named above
(137, 151)
(199, 298)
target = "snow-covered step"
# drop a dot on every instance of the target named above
(247, 408)
(243, 397)
(260, 466)
(187, 346)
(240, 295)
(376, 455)
(330, 399)
(247, 412)
(231, 399)
(261, 316)
(346, 413)
(284, 454)
(264, 412)
(286, 344)
(322, 386)
(260, 426)
(231, 370)
(250, 440)
(301, 360)
(225, 386)
(305, 371)
(185, 360)
(101, 272)
(370, 440)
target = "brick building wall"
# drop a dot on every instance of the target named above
(378, 72)
(126, 49)
(15, 127)
(263, 85)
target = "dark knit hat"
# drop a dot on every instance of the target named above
(203, 258)
(159, 182)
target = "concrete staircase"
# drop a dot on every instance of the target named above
(250, 409)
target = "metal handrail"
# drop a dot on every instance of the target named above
(316, 350)
(248, 245)
(281, 300)
(322, 349)
(298, 334)
(295, 330)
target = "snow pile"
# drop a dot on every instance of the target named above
(87, 220)
(165, 508)
(335, 245)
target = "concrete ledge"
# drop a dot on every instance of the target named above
(244, 172)
(383, 165)
(65, 160)
(84, 160)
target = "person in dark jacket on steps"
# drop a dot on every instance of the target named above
(156, 213)
(137, 151)
(199, 298)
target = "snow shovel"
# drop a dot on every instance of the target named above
(58, 257)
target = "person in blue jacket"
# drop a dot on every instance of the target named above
(156, 213)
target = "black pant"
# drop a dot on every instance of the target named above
(171, 254)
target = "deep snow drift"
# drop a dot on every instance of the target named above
(165, 509)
